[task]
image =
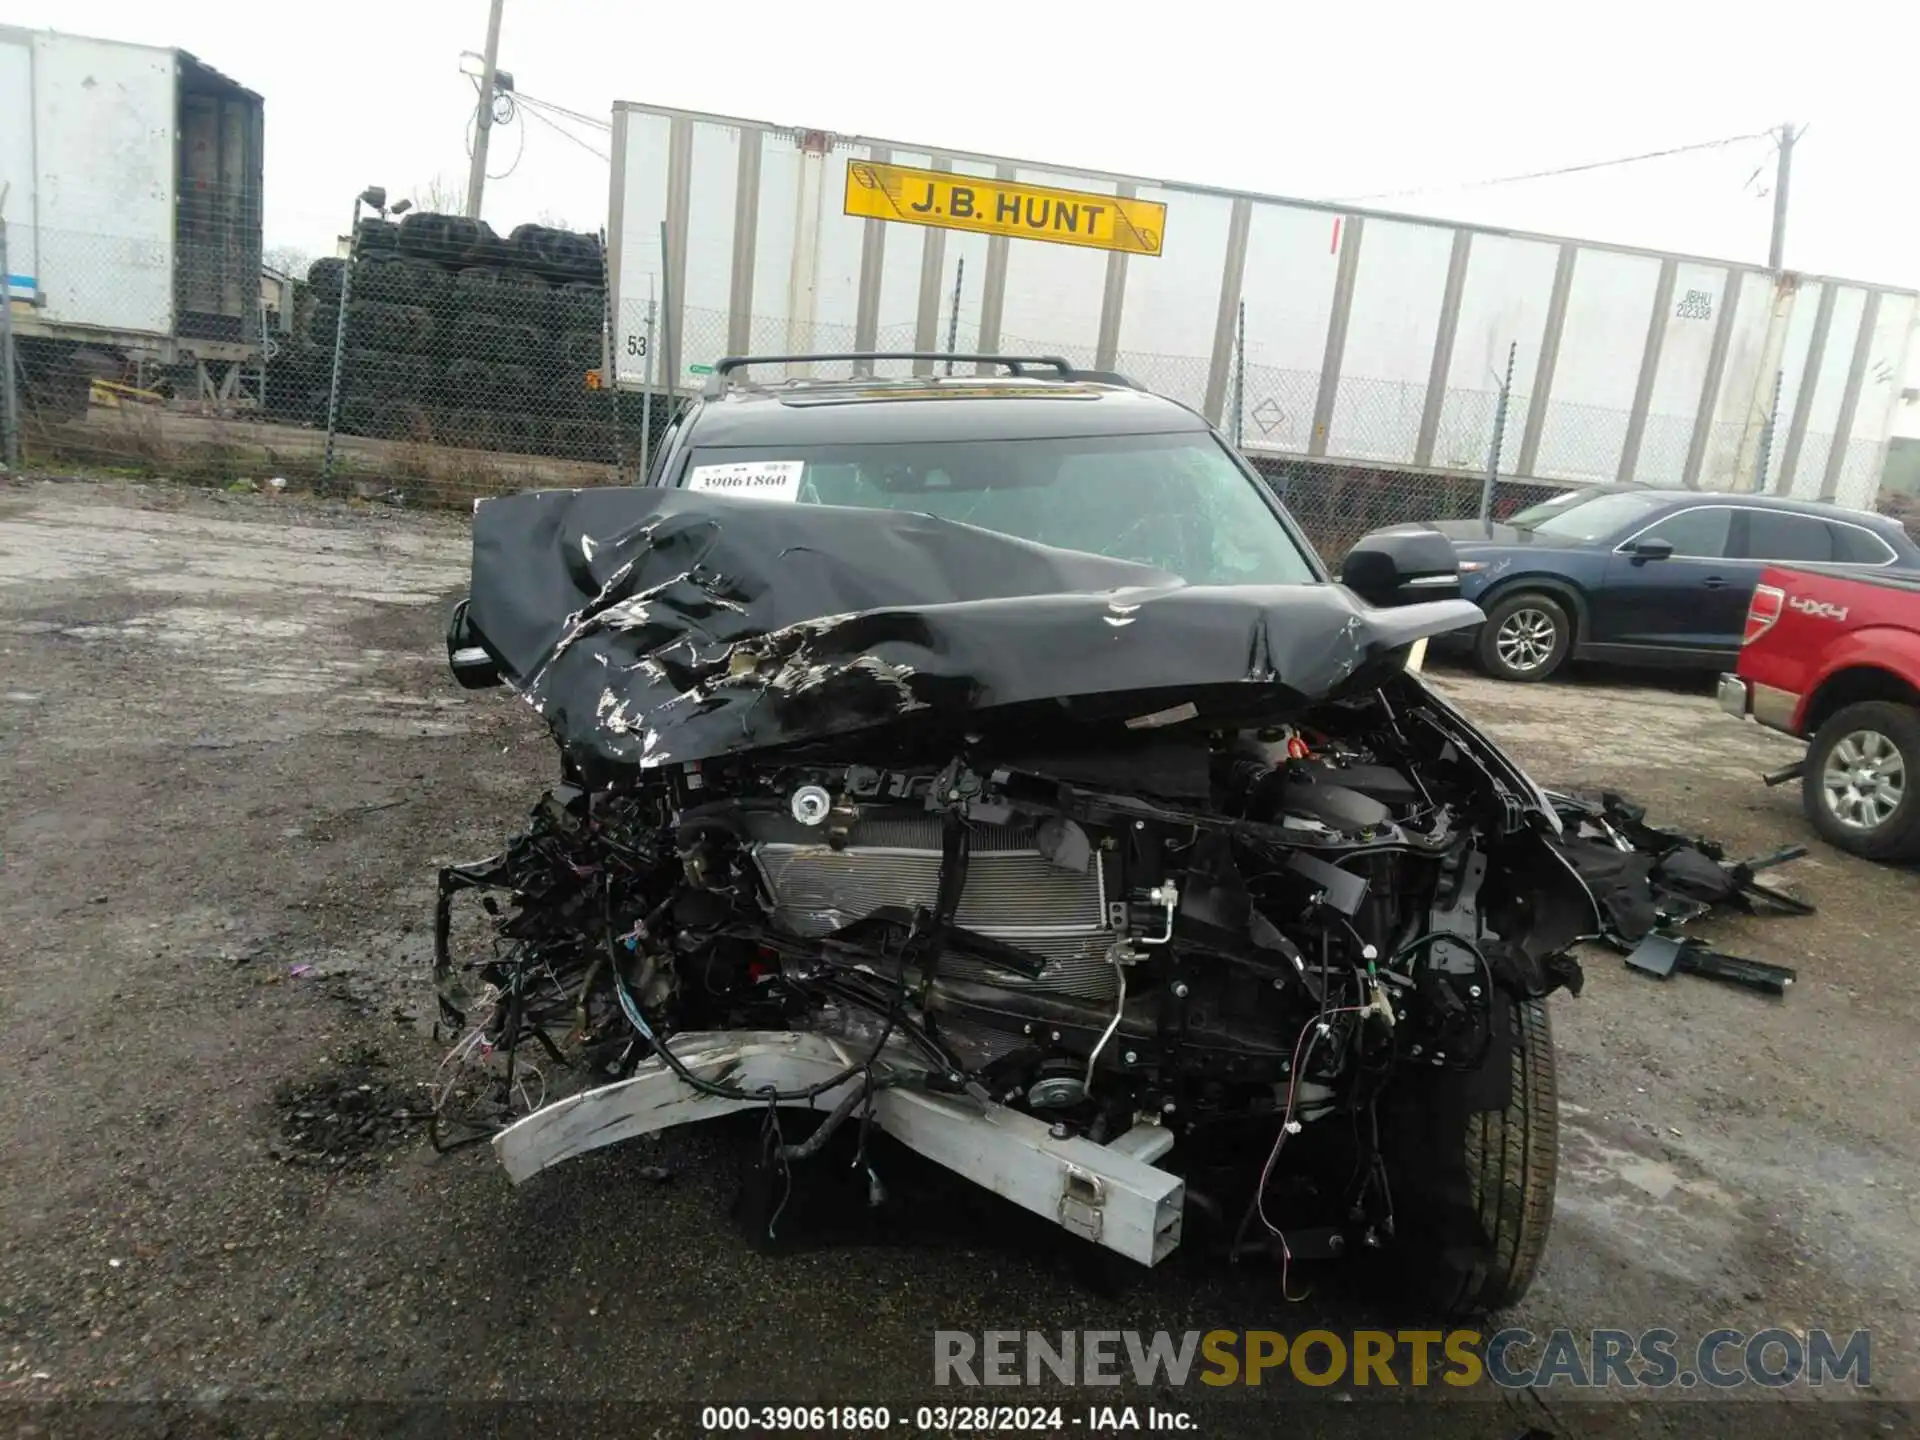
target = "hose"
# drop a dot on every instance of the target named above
(767, 1094)
(1119, 1009)
(817, 1141)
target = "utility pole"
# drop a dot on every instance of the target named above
(483, 118)
(1777, 250)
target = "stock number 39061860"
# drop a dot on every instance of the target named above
(827, 1418)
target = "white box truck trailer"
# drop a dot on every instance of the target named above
(1371, 340)
(132, 178)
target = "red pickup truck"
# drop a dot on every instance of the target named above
(1833, 656)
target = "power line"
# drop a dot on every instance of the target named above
(559, 129)
(507, 118)
(562, 110)
(1560, 170)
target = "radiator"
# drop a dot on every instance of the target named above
(1013, 894)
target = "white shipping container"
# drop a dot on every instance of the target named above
(132, 178)
(1373, 340)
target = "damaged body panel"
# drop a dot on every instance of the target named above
(698, 626)
(1160, 909)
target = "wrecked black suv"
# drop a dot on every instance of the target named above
(989, 761)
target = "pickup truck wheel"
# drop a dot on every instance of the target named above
(1526, 637)
(1860, 783)
(1472, 1159)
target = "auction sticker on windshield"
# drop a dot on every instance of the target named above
(755, 479)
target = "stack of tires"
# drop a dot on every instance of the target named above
(297, 367)
(455, 336)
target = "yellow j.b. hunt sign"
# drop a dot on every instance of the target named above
(1004, 207)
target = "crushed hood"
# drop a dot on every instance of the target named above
(657, 626)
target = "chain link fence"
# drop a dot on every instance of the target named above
(1336, 503)
(438, 362)
(478, 356)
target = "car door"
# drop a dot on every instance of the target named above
(1763, 537)
(1857, 545)
(1688, 600)
(1759, 536)
(666, 453)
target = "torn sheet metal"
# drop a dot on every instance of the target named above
(653, 626)
(1645, 877)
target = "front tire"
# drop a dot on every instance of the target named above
(1473, 1160)
(1526, 637)
(1859, 789)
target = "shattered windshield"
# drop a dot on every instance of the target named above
(1177, 502)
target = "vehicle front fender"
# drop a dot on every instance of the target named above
(1558, 586)
(1886, 650)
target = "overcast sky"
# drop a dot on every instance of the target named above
(1327, 101)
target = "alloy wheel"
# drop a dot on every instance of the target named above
(1526, 639)
(1864, 780)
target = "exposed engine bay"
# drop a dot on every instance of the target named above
(1269, 950)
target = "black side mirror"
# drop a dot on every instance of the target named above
(1402, 565)
(467, 658)
(1652, 550)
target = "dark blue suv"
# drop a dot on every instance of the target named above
(1645, 576)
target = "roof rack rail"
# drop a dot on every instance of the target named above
(1107, 377)
(723, 371)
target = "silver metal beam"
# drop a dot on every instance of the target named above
(933, 263)
(616, 228)
(1109, 1194)
(1803, 398)
(873, 254)
(33, 155)
(746, 230)
(1730, 289)
(1760, 440)
(679, 184)
(1443, 339)
(1343, 284)
(1232, 277)
(1649, 368)
(993, 290)
(1106, 349)
(1542, 389)
(1850, 400)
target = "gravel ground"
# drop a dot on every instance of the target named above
(234, 759)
